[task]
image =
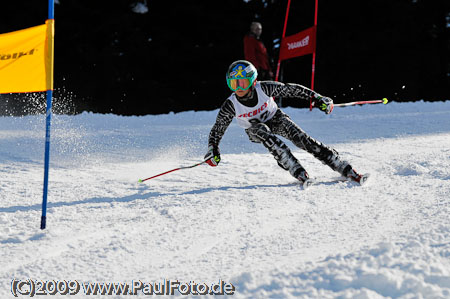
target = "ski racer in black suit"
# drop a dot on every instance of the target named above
(254, 108)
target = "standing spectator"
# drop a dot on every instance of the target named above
(256, 52)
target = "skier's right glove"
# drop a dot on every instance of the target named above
(212, 157)
(323, 103)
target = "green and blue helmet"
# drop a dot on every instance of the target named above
(241, 75)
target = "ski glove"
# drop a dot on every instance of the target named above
(323, 103)
(212, 157)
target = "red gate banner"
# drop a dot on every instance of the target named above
(299, 44)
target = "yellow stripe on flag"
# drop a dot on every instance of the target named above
(49, 58)
(26, 59)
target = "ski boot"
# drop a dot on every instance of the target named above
(352, 175)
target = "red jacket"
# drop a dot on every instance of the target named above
(256, 52)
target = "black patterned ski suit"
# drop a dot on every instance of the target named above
(280, 124)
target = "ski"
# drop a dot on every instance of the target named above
(364, 179)
(311, 181)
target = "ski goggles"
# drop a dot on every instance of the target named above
(242, 84)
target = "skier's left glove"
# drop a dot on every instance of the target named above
(212, 157)
(323, 103)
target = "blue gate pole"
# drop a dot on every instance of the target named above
(51, 8)
(47, 157)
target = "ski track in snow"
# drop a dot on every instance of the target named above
(246, 221)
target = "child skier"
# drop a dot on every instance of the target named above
(254, 108)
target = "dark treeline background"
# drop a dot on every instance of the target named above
(110, 59)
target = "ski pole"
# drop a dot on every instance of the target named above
(384, 101)
(143, 180)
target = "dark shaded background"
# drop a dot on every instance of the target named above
(110, 59)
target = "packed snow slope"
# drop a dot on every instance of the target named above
(247, 221)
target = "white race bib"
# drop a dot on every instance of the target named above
(263, 111)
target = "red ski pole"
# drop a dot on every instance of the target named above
(384, 101)
(179, 168)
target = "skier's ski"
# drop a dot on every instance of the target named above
(306, 184)
(364, 178)
(311, 181)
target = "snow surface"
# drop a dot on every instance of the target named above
(246, 221)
